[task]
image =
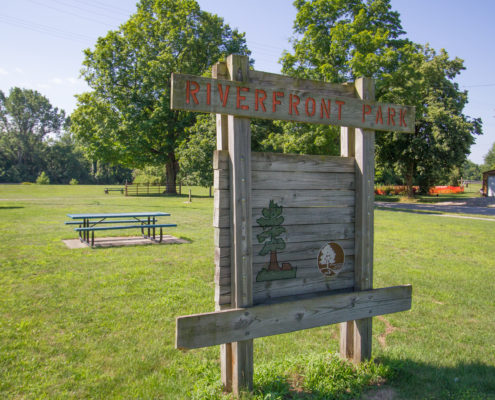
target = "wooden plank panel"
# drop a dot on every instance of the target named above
(221, 179)
(312, 233)
(301, 180)
(306, 268)
(221, 199)
(248, 100)
(220, 159)
(211, 329)
(300, 286)
(314, 215)
(302, 250)
(303, 198)
(296, 234)
(301, 163)
(269, 79)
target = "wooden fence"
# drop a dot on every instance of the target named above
(148, 189)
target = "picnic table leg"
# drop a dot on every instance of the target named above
(154, 221)
(161, 235)
(92, 238)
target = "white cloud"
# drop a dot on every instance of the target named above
(3, 71)
(19, 70)
(43, 86)
(57, 81)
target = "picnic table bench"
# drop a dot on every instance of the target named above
(145, 221)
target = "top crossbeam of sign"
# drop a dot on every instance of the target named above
(269, 100)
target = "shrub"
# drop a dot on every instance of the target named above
(74, 181)
(26, 183)
(43, 179)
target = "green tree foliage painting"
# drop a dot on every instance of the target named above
(271, 222)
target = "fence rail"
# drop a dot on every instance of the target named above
(149, 189)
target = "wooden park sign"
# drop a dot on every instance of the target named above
(293, 233)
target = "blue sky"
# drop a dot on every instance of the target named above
(43, 41)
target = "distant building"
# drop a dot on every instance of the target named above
(489, 183)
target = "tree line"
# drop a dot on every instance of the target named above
(125, 119)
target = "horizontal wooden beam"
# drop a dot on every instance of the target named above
(228, 326)
(285, 100)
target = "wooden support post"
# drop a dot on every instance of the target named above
(239, 144)
(234, 135)
(356, 336)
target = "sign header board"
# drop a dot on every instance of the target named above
(250, 100)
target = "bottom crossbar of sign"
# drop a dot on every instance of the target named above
(210, 329)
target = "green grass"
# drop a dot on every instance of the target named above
(100, 323)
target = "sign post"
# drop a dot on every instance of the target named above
(293, 233)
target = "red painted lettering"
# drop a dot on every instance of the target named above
(340, 104)
(293, 103)
(325, 107)
(208, 93)
(260, 96)
(366, 111)
(241, 98)
(192, 92)
(391, 115)
(275, 101)
(402, 116)
(223, 95)
(313, 106)
(379, 116)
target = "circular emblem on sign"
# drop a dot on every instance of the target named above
(331, 259)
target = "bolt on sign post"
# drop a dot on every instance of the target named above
(293, 233)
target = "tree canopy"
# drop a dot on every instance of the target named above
(26, 120)
(338, 41)
(126, 118)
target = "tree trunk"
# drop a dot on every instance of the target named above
(273, 262)
(409, 181)
(172, 167)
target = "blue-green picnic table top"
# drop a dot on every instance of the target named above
(119, 215)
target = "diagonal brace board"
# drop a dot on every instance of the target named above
(210, 329)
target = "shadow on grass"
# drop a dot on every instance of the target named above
(10, 207)
(393, 379)
(417, 380)
(406, 210)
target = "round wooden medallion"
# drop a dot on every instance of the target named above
(331, 259)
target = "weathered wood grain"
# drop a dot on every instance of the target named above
(306, 268)
(297, 233)
(246, 99)
(300, 286)
(211, 329)
(301, 180)
(268, 79)
(303, 198)
(302, 250)
(315, 215)
(301, 163)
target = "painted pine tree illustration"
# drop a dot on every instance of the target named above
(271, 222)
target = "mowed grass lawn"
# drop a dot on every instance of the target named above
(100, 323)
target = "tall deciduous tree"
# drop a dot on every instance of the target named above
(443, 134)
(337, 41)
(126, 118)
(26, 118)
(489, 159)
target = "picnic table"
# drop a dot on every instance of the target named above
(145, 221)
